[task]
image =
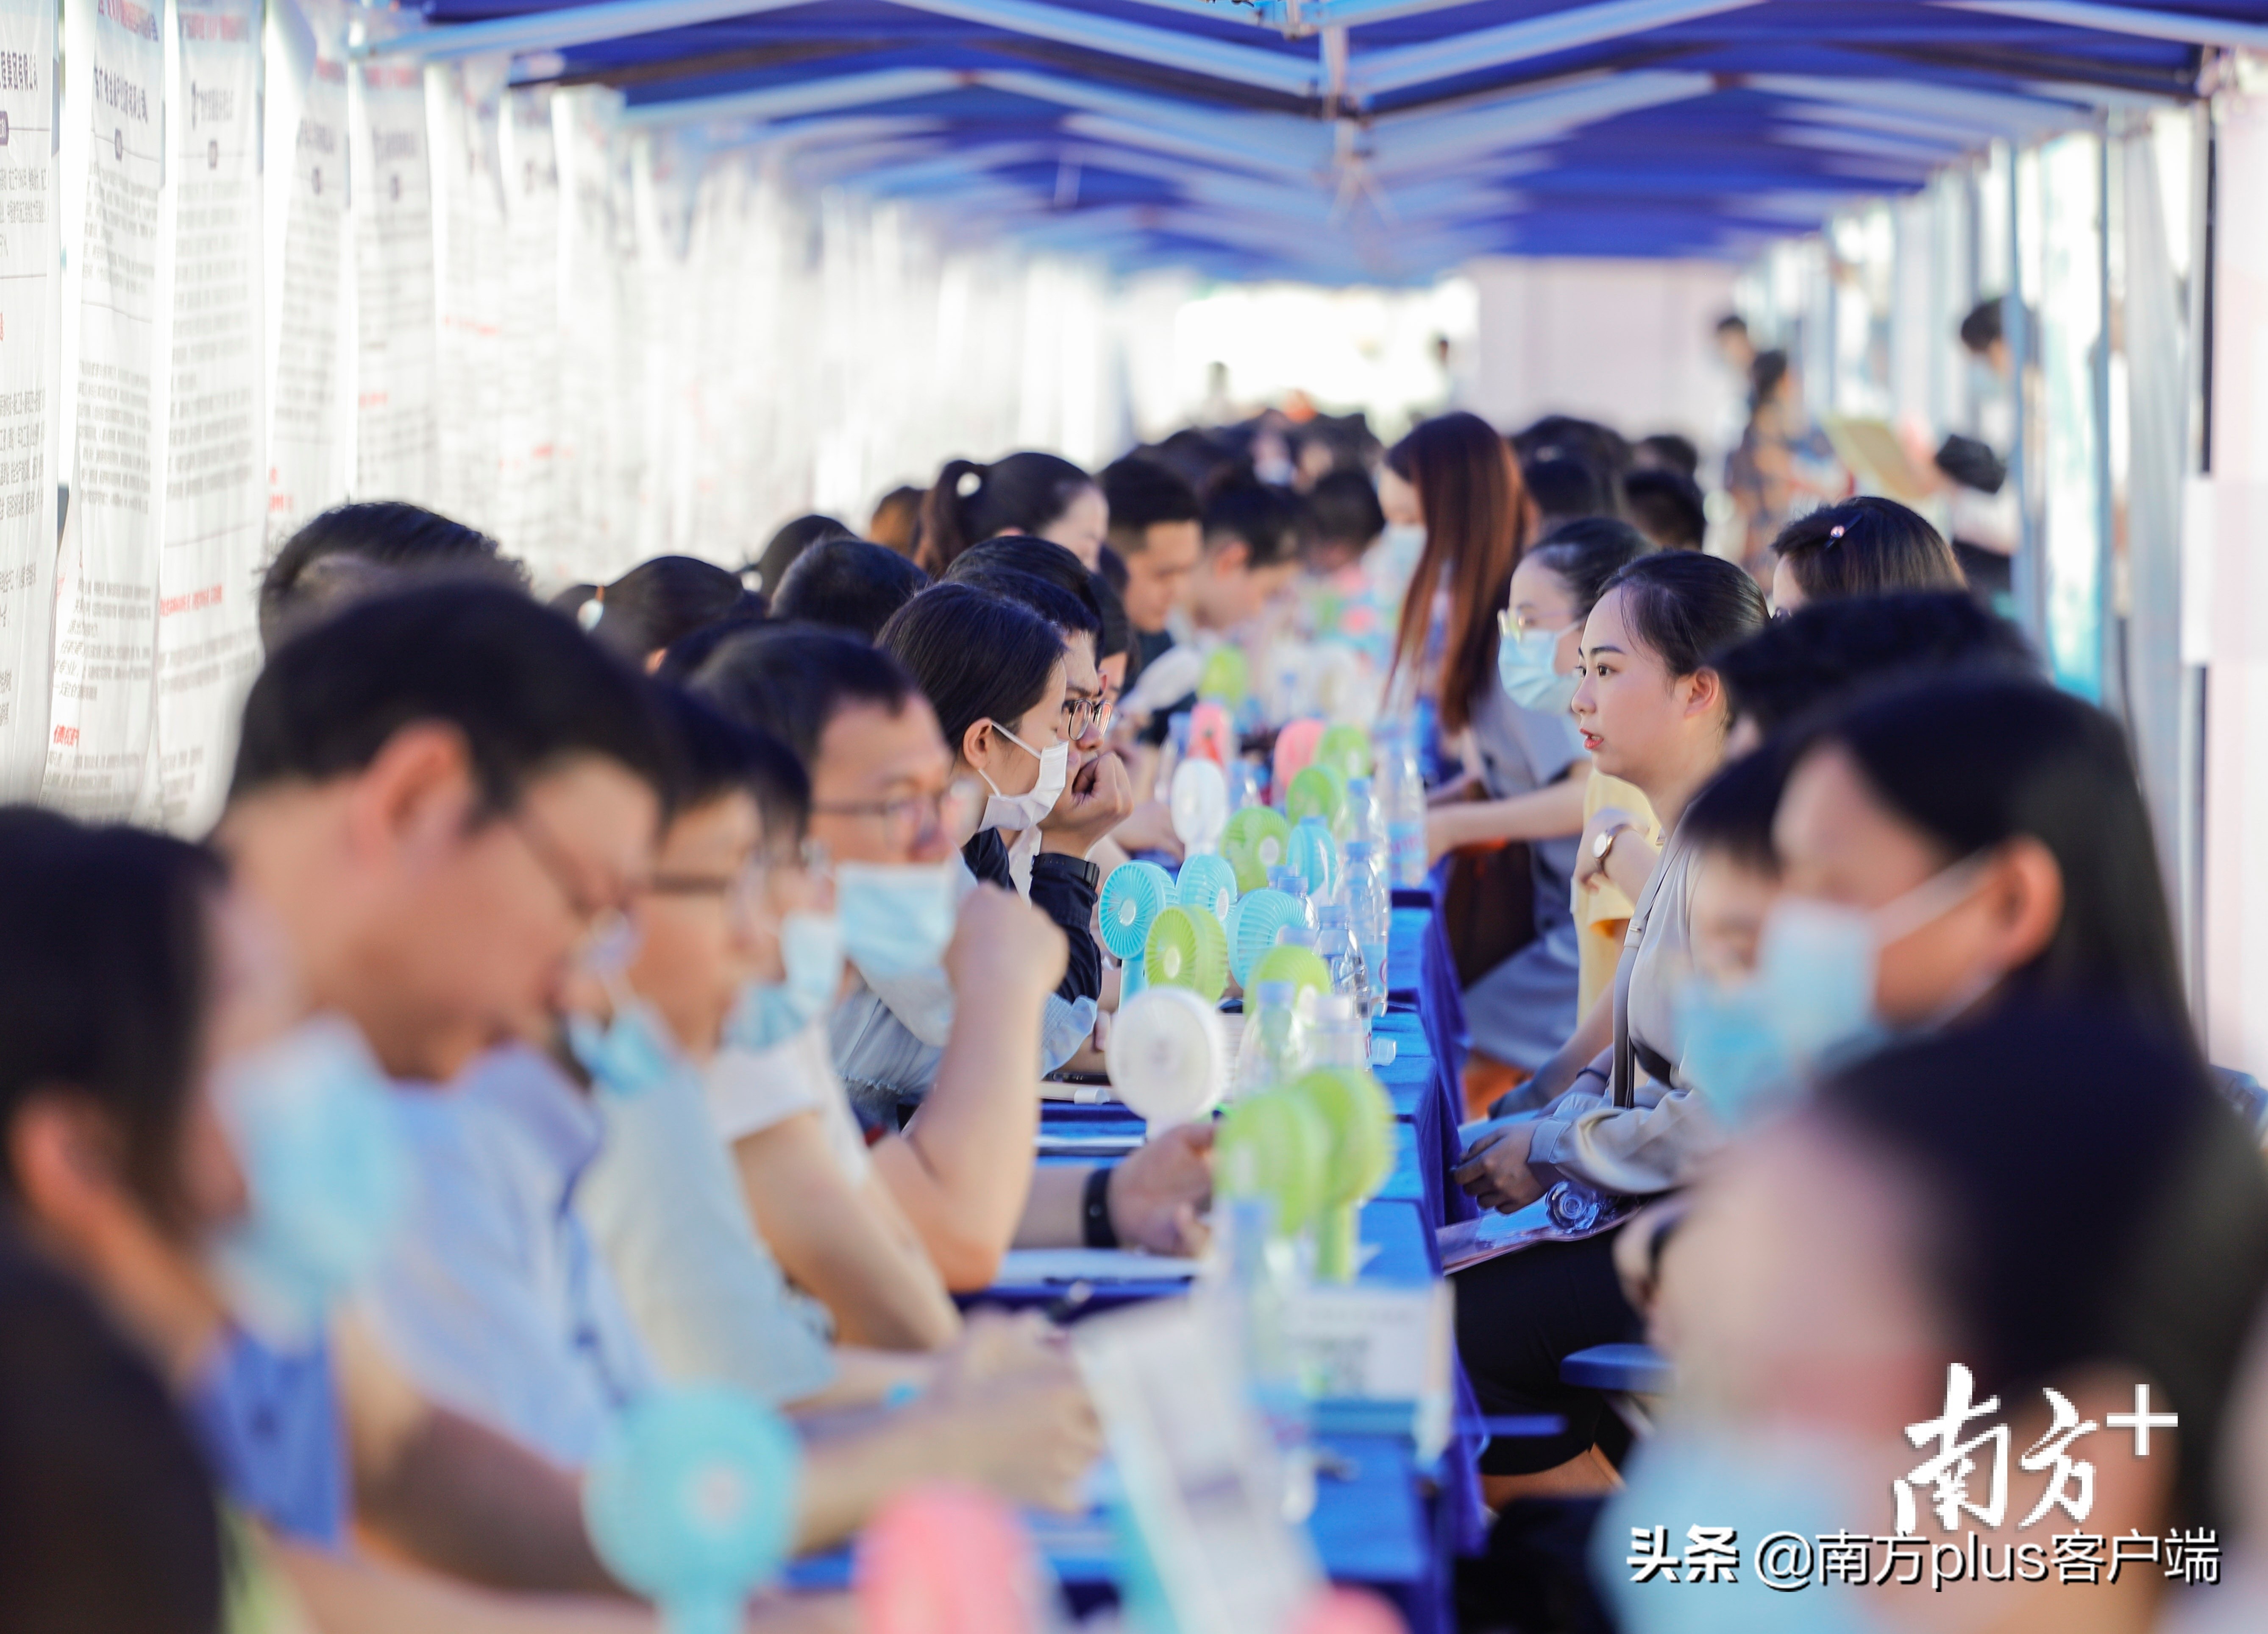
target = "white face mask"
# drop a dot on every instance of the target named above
(1025, 810)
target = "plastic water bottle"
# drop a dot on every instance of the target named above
(1335, 941)
(1370, 913)
(1364, 825)
(1262, 1275)
(1337, 1034)
(1401, 802)
(1274, 1049)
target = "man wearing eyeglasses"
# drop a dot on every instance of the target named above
(963, 1169)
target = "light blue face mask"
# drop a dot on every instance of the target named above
(1685, 1477)
(325, 1171)
(770, 1013)
(1523, 663)
(627, 1055)
(896, 917)
(1730, 1051)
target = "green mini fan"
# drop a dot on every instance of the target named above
(1189, 949)
(1254, 842)
(1302, 967)
(1344, 748)
(1361, 1119)
(1274, 1146)
(1226, 678)
(1316, 791)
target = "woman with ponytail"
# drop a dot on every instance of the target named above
(1039, 494)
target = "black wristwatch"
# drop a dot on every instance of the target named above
(1084, 869)
(1096, 1210)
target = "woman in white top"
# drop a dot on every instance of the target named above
(1653, 711)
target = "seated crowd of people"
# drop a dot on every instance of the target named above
(655, 985)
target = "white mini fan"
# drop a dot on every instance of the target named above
(1169, 1055)
(1200, 805)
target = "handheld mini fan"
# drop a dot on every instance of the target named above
(1200, 804)
(691, 1501)
(1212, 734)
(944, 1558)
(1189, 949)
(1295, 748)
(1207, 881)
(1302, 967)
(1346, 749)
(1361, 1119)
(1254, 924)
(1274, 1146)
(1169, 1055)
(1316, 791)
(1316, 855)
(1254, 842)
(1132, 897)
(1227, 678)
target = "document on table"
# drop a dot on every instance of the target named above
(1093, 1265)
(1468, 1242)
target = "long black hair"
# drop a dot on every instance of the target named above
(113, 932)
(1685, 608)
(970, 503)
(1586, 553)
(1973, 761)
(1866, 546)
(975, 656)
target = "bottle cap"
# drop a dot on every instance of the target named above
(1275, 994)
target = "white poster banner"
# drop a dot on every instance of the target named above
(310, 452)
(106, 578)
(397, 428)
(28, 386)
(216, 480)
(463, 100)
(528, 507)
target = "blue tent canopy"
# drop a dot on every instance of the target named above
(1338, 140)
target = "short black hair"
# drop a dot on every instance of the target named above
(1585, 555)
(1668, 508)
(1036, 558)
(1982, 326)
(1825, 651)
(1070, 614)
(791, 540)
(112, 929)
(661, 601)
(717, 755)
(1564, 486)
(520, 684)
(1766, 373)
(847, 584)
(1142, 493)
(686, 655)
(1343, 508)
(109, 1514)
(1864, 547)
(2002, 1122)
(1686, 608)
(1733, 814)
(1569, 437)
(792, 680)
(1667, 451)
(1246, 509)
(351, 549)
(976, 656)
(1731, 323)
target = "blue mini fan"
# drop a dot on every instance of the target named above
(1132, 897)
(1207, 881)
(1254, 925)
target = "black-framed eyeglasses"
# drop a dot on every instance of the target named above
(1082, 716)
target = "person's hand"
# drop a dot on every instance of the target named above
(1445, 830)
(1495, 1168)
(1159, 1192)
(1010, 1411)
(1002, 943)
(1589, 871)
(1094, 803)
(1149, 827)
